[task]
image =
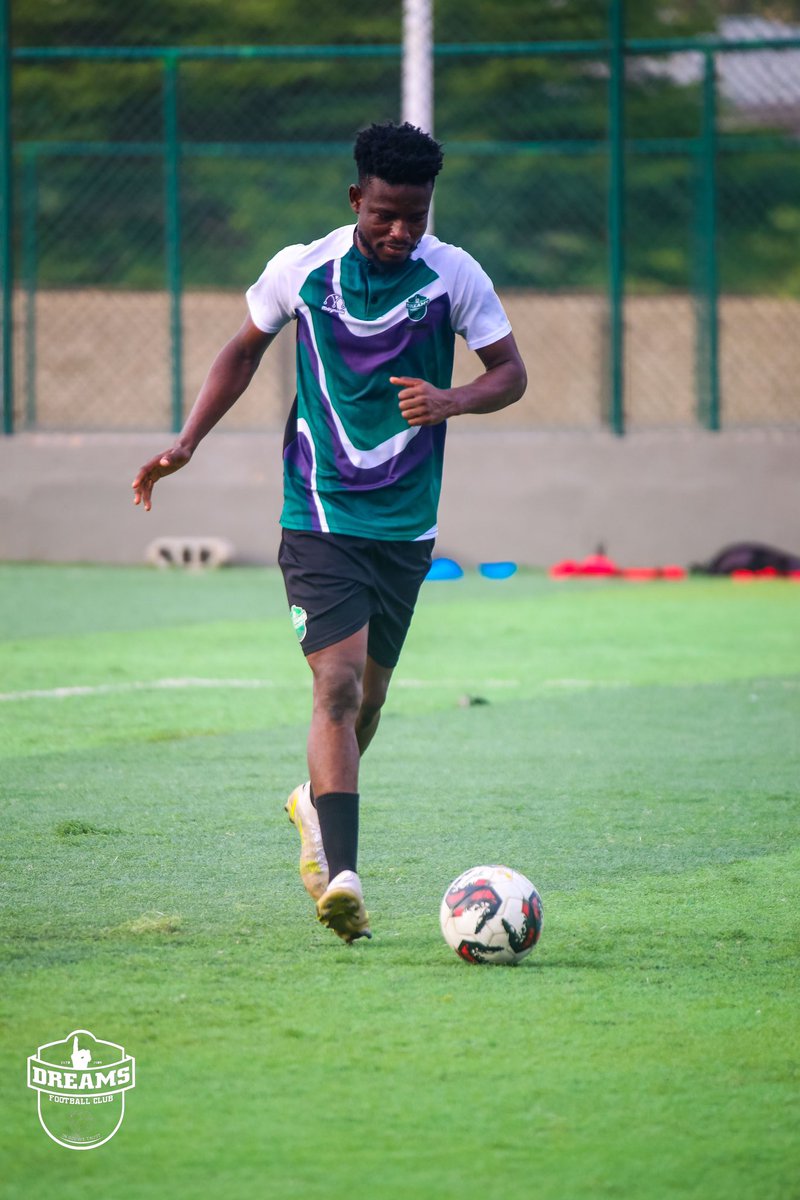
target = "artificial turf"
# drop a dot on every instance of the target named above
(636, 756)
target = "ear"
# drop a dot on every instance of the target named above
(355, 197)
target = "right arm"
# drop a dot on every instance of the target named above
(229, 376)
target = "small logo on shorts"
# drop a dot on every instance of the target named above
(334, 304)
(299, 618)
(81, 1081)
(416, 307)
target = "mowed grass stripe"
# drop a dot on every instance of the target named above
(629, 1063)
(559, 793)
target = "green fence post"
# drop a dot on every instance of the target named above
(30, 256)
(708, 398)
(172, 232)
(6, 226)
(616, 218)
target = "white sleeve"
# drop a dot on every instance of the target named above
(271, 299)
(476, 311)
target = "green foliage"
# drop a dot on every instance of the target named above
(199, 23)
(266, 145)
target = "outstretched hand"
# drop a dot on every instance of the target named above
(163, 464)
(421, 403)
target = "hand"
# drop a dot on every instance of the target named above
(163, 464)
(421, 403)
(80, 1058)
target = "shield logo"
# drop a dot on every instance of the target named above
(299, 620)
(416, 307)
(81, 1083)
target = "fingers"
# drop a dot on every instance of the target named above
(150, 473)
(417, 413)
(410, 387)
(143, 486)
(142, 490)
(420, 402)
(413, 407)
(416, 401)
(414, 392)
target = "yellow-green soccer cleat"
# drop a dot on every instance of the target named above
(341, 907)
(313, 863)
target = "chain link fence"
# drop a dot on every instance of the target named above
(160, 157)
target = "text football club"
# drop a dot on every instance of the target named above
(81, 1083)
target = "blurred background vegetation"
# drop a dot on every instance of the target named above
(265, 143)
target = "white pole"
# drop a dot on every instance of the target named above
(418, 68)
(418, 63)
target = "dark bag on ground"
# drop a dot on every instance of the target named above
(749, 556)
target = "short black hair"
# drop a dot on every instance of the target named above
(397, 154)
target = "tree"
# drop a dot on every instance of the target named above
(265, 142)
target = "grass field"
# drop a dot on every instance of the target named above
(637, 758)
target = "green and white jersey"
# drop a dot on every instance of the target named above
(352, 464)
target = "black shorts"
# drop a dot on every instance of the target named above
(336, 584)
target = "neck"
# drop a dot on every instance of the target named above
(362, 245)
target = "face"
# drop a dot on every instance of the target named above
(392, 218)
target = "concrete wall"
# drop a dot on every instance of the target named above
(534, 497)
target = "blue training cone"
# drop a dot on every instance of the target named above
(444, 568)
(497, 570)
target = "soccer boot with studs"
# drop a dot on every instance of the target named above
(341, 907)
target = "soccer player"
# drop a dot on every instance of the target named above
(377, 306)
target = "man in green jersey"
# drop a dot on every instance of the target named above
(377, 306)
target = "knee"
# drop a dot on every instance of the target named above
(338, 692)
(373, 699)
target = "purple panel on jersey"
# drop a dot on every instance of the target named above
(298, 453)
(363, 355)
(427, 441)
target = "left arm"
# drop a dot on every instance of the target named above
(502, 383)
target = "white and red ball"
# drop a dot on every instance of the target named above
(491, 915)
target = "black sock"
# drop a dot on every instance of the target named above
(338, 823)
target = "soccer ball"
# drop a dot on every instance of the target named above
(491, 915)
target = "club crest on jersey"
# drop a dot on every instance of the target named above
(334, 304)
(416, 307)
(299, 619)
